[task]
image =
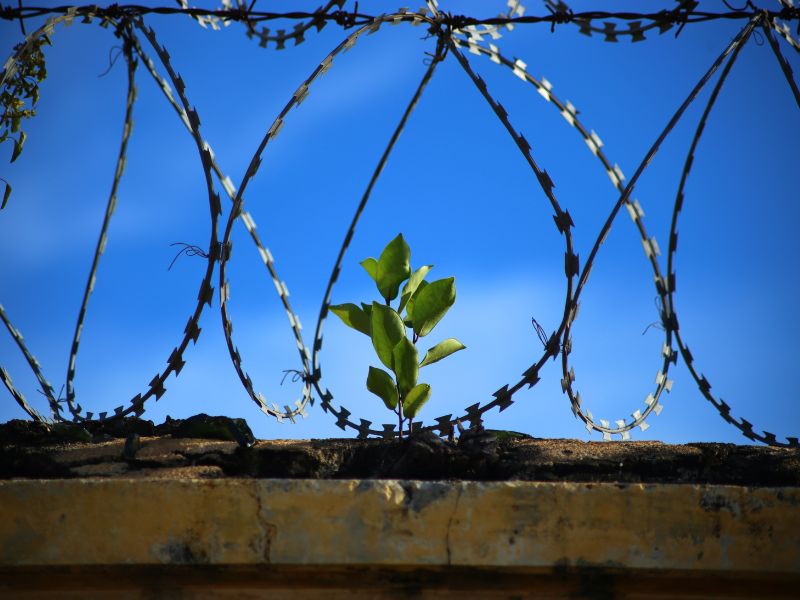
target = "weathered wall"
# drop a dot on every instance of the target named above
(361, 522)
(746, 539)
(142, 512)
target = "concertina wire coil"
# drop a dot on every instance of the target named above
(453, 37)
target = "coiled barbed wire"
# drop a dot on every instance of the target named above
(594, 144)
(651, 250)
(452, 34)
(127, 129)
(671, 320)
(684, 14)
(609, 29)
(9, 70)
(175, 361)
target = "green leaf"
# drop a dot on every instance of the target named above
(387, 331)
(405, 365)
(410, 306)
(6, 196)
(411, 285)
(18, 146)
(415, 399)
(394, 267)
(432, 303)
(371, 267)
(441, 350)
(367, 309)
(352, 316)
(380, 383)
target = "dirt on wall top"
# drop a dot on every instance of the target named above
(216, 447)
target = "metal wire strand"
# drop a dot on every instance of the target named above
(685, 13)
(326, 395)
(662, 380)
(9, 70)
(453, 32)
(594, 144)
(127, 128)
(703, 384)
(244, 217)
(784, 64)
(18, 396)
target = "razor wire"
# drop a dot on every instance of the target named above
(473, 414)
(110, 208)
(610, 30)
(783, 29)
(685, 13)
(568, 111)
(175, 361)
(452, 34)
(9, 70)
(671, 322)
(342, 414)
(651, 250)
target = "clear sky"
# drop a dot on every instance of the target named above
(456, 187)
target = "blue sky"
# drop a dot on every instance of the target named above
(458, 189)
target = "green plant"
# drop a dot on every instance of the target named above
(395, 337)
(21, 88)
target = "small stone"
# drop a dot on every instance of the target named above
(477, 441)
(208, 427)
(113, 469)
(132, 445)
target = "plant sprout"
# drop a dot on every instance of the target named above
(395, 337)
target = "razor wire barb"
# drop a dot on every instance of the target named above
(559, 13)
(453, 34)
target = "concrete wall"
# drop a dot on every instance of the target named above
(251, 538)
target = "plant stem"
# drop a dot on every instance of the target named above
(400, 417)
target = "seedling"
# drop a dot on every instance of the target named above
(395, 337)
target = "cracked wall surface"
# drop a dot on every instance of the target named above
(390, 522)
(145, 513)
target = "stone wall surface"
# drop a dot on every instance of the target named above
(494, 459)
(361, 522)
(169, 517)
